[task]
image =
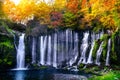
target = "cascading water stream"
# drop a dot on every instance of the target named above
(108, 53)
(89, 61)
(55, 51)
(61, 47)
(75, 50)
(67, 33)
(43, 45)
(41, 50)
(49, 51)
(93, 38)
(14, 42)
(84, 48)
(99, 51)
(34, 51)
(21, 53)
(64, 48)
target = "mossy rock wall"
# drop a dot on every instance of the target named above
(7, 52)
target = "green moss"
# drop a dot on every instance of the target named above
(104, 38)
(6, 52)
(113, 54)
(111, 75)
(36, 66)
(81, 66)
(113, 41)
(7, 44)
(94, 69)
(104, 49)
(9, 62)
(96, 46)
(43, 67)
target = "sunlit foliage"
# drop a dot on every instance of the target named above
(1, 10)
(59, 5)
(73, 6)
(102, 10)
(42, 11)
(20, 12)
(67, 12)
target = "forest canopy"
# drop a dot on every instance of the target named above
(64, 13)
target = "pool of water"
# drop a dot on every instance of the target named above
(43, 74)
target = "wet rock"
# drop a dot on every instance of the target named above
(69, 77)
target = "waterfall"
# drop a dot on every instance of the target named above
(55, 51)
(99, 35)
(74, 50)
(49, 51)
(66, 48)
(14, 42)
(108, 53)
(84, 48)
(34, 51)
(99, 51)
(67, 33)
(71, 43)
(21, 53)
(92, 47)
(62, 47)
(43, 45)
(41, 50)
(93, 38)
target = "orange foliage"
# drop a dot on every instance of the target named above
(9, 8)
(101, 10)
(42, 11)
(84, 3)
(109, 4)
(72, 6)
(18, 12)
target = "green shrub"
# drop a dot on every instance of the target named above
(112, 75)
(69, 19)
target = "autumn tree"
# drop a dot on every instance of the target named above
(73, 6)
(56, 19)
(69, 20)
(59, 5)
(9, 8)
(42, 12)
(103, 13)
(100, 11)
(23, 11)
(1, 10)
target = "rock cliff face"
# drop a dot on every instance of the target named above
(64, 48)
(67, 48)
(60, 48)
(8, 35)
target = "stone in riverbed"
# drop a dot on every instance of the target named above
(69, 77)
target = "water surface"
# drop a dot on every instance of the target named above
(44, 74)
